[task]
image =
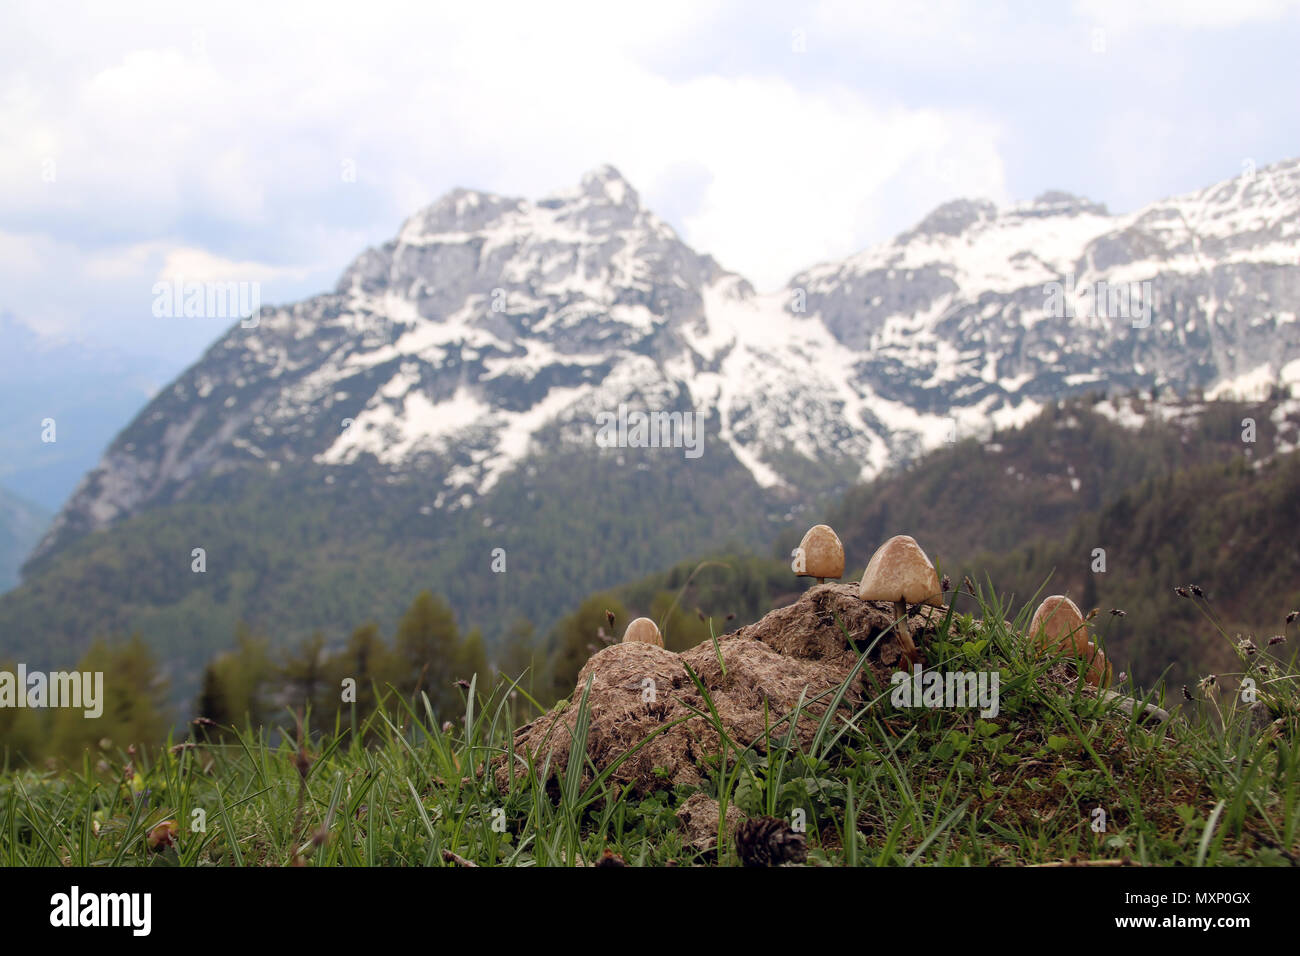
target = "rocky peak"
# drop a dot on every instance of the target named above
(953, 218)
(606, 184)
(459, 211)
(1057, 202)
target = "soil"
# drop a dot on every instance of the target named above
(808, 648)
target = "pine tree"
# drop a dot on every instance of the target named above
(235, 684)
(579, 636)
(24, 732)
(471, 661)
(426, 646)
(134, 708)
(520, 659)
(211, 704)
(303, 676)
(371, 670)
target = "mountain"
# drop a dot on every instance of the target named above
(449, 348)
(448, 403)
(87, 391)
(978, 306)
(21, 526)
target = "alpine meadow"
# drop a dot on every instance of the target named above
(703, 436)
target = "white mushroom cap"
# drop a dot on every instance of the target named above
(823, 554)
(643, 630)
(1058, 622)
(899, 571)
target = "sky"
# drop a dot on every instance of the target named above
(272, 143)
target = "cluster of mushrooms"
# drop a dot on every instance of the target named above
(900, 574)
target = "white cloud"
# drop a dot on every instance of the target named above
(158, 260)
(199, 265)
(247, 119)
(1190, 14)
(218, 136)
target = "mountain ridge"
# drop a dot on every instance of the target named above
(442, 404)
(488, 317)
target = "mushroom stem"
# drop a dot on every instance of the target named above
(910, 650)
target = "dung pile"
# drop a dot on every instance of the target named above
(807, 648)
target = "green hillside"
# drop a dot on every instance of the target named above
(1175, 501)
(21, 526)
(313, 550)
(1170, 503)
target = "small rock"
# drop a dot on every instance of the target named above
(699, 819)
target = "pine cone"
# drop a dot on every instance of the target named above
(767, 841)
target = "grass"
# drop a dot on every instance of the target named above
(878, 786)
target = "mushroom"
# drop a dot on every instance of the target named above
(1058, 622)
(820, 555)
(1099, 670)
(644, 631)
(899, 572)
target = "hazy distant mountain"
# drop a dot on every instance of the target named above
(89, 392)
(21, 526)
(446, 399)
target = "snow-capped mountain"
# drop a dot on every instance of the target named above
(446, 354)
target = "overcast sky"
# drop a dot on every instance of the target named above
(274, 141)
